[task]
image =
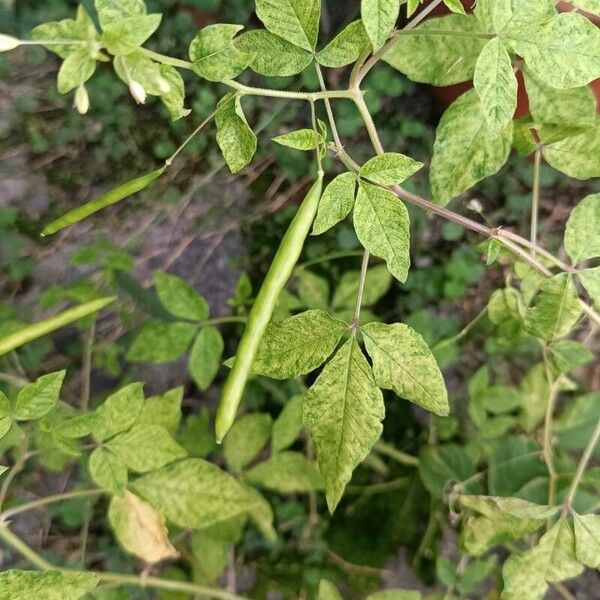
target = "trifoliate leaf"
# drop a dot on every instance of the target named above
(403, 362)
(382, 225)
(575, 154)
(379, 18)
(286, 473)
(140, 529)
(346, 46)
(159, 342)
(194, 493)
(271, 55)
(205, 357)
(377, 283)
(163, 410)
(590, 279)
(296, 21)
(125, 35)
(496, 85)
(343, 411)
(582, 232)
(288, 425)
(49, 585)
(298, 345)
(443, 58)
(107, 471)
(556, 308)
(215, 54)
(336, 203)
(236, 140)
(389, 168)
(39, 398)
(303, 139)
(180, 298)
(76, 69)
(465, 152)
(118, 412)
(564, 51)
(587, 540)
(246, 439)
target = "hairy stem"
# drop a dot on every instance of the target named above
(583, 464)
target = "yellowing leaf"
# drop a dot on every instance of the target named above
(379, 18)
(582, 233)
(296, 21)
(587, 540)
(49, 585)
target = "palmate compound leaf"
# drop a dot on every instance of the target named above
(465, 152)
(382, 225)
(346, 46)
(446, 58)
(140, 529)
(496, 85)
(555, 310)
(379, 18)
(404, 363)
(343, 411)
(296, 21)
(526, 576)
(271, 55)
(582, 232)
(587, 540)
(235, 138)
(194, 493)
(298, 345)
(49, 585)
(336, 203)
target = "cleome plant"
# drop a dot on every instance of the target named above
(518, 483)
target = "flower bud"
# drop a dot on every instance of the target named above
(82, 100)
(475, 205)
(8, 42)
(137, 91)
(163, 85)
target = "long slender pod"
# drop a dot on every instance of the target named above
(278, 275)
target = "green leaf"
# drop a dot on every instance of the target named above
(286, 473)
(145, 447)
(346, 47)
(163, 410)
(377, 284)
(119, 411)
(137, 67)
(526, 576)
(49, 585)
(395, 595)
(296, 21)
(107, 199)
(564, 52)
(205, 357)
(126, 35)
(465, 152)
(215, 54)
(379, 18)
(313, 290)
(590, 279)
(236, 140)
(5, 426)
(336, 203)
(455, 6)
(114, 10)
(328, 591)
(4, 405)
(496, 85)
(246, 439)
(444, 58)
(288, 425)
(403, 362)
(592, 6)
(443, 464)
(575, 107)
(39, 398)
(271, 55)
(494, 506)
(382, 225)
(298, 345)
(180, 298)
(76, 69)
(175, 491)
(556, 309)
(107, 471)
(75, 33)
(582, 233)
(587, 540)
(174, 99)
(567, 355)
(159, 342)
(140, 529)
(343, 411)
(575, 154)
(496, 15)
(575, 425)
(303, 139)
(389, 168)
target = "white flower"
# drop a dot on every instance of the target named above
(163, 85)
(137, 91)
(82, 100)
(8, 42)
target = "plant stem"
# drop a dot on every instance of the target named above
(167, 60)
(361, 290)
(27, 506)
(313, 116)
(461, 334)
(86, 369)
(328, 109)
(328, 257)
(15, 470)
(22, 548)
(400, 457)
(535, 198)
(553, 386)
(268, 93)
(13, 380)
(583, 463)
(196, 131)
(222, 320)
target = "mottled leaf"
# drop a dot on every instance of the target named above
(346, 46)
(205, 357)
(39, 398)
(389, 168)
(582, 232)
(379, 18)
(336, 203)
(246, 439)
(296, 21)
(287, 473)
